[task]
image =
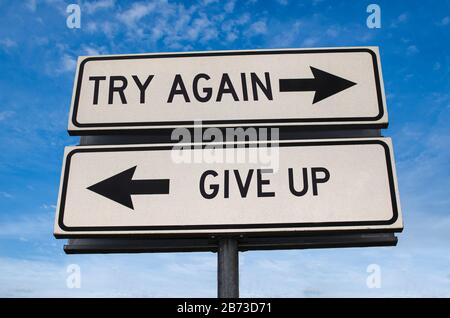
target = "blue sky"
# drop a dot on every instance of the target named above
(37, 63)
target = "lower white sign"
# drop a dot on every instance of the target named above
(299, 186)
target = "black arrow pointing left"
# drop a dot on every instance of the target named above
(121, 186)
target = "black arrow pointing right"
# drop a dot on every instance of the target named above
(323, 83)
(121, 186)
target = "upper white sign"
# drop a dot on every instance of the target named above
(329, 86)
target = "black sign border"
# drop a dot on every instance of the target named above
(171, 124)
(66, 170)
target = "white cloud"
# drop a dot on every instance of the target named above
(232, 27)
(48, 206)
(231, 37)
(6, 195)
(92, 7)
(31, 278)
(166, 25)
(310, 41)
(59, 5)
(67, 64)
(290, 38)
(257, 28)
(106, 27)
(401, 19)
(63, 63)
(6, 114)
(208, 2)
(31, 5)
(333, 31)
(93, 50)
(229, 6)
(445, 21)
(7, 43)
(412, 50)
(30, 227)
(91, 26)
(283, 2)
(137, 11)
(151, 275)
(201, 25)
(179, 26)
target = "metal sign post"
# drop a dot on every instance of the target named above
(228, 268)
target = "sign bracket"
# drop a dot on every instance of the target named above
(211, 244)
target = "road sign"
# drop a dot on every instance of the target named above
(295, 87)
(336, 185)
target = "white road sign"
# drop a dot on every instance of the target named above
(330, 86)
(306, 186)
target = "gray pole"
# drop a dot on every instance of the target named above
(228, 268)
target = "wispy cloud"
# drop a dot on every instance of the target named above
(283, 2)
(6, 114)
(93, 6)
(257, 28)
(401, 19)
(310, 41)
(179, 26)
(31, 5)
(44, 277)
(67, 63)
(6, 195)
(93, 49)
(48, 206)
(137, 11)
(7, 43)
(444, 21)
(34, 226)
(229, 6)
(412, 49)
